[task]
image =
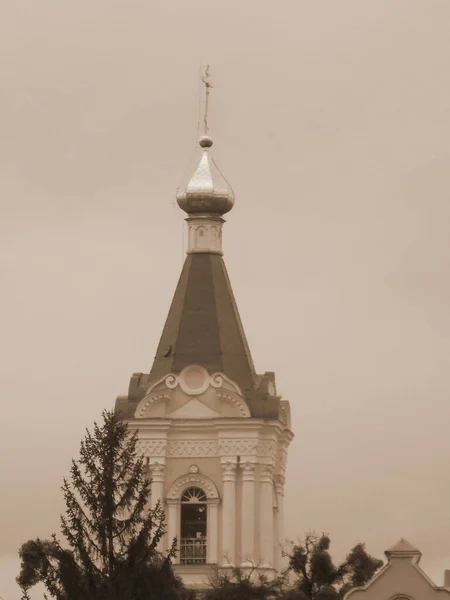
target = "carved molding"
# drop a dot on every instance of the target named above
(228, 466)
(192, 479)
(248, 471)
(156, 470)
(204, 235)
(151, 448)
(228, 471)
(279, 481)
(284, 455)
(148, 401)
(281, 459)
(234, 447)
(266, 474)
(248, 467)
(217, 380)
(194, 380)
(267, 448)
(205, 448)
(285, 413)
(204, 380)
(197, 448)
(238, 402)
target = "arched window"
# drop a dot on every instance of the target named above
(193, 538)
(192, 517)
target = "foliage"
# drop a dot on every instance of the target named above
(112, 536)
(315, 576)
(240, 584)
(318, 578)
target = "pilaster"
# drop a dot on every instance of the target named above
(156, 469)
(279, 480)
(248, 514)
(172, 526)
(266, 521)
(212, 530)
(228, 513)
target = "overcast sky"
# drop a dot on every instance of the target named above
(331, 122)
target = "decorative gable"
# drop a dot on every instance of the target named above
(193, 393)
(400, 579)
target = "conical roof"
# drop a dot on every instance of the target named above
(203, 326)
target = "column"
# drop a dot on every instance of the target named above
(266, 515)
(157, 477)
(212, 530)
(279, 521)
(228, 513)
(172, 526)
(248, 514)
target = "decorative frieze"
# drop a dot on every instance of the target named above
(235, 447)
(149, 448)
(267, 448)
(194, 448)
(212, 448)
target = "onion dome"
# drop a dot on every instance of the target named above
(207, 191)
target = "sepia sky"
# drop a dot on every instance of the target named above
(331, 121)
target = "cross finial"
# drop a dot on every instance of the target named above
(208, 86)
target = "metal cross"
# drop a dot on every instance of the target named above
(205, 80)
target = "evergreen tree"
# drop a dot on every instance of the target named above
(318, 578)
(112, 536)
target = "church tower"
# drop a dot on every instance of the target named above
(215, 432)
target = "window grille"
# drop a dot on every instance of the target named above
(193, 540)
(192, 551)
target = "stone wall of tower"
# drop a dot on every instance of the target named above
(237, 460)
(247, 508)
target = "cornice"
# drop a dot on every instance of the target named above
(220, 424)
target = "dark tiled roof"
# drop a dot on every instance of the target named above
(204, 327)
